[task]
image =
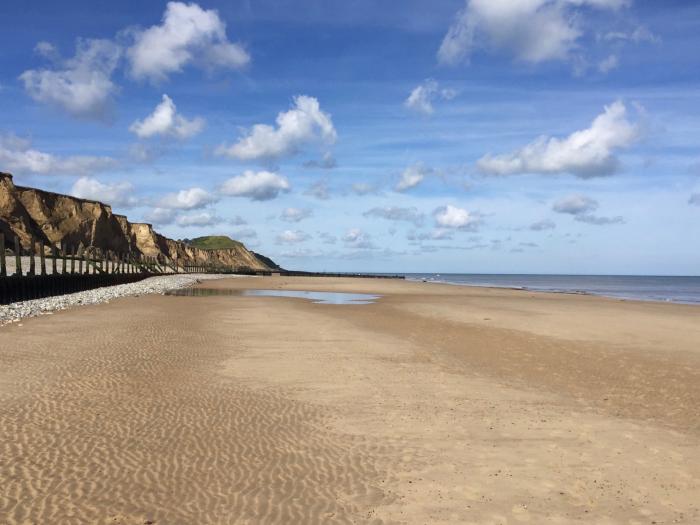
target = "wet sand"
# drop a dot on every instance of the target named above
(437, 404)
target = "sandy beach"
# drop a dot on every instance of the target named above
(436, 404)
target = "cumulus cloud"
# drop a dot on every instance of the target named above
(358, 239)
(575, 205)
(82, 85)
(305, 122)
(190, 199)
(582, 208)
(531, 31)
(245, 233)
(116, 194)
(545, 224)
(587, 153)
(160, 216)
(694, 199)
(203, 218)
(237, 221)
(292, 237)
(411, 177)
(638, 35)
(608, 64)
(327, 162)
(599, 221)
(166, 121)
(422, 96)
(257, 186)
(455, 218)
(363, 188)
(295, 214)
(319, 190)
(18, 156)
(394, 213)
(187, 35)
(438, 234)
(327, 238)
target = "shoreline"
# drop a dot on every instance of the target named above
(559, 291)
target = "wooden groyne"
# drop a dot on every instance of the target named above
(294, 273)
(38, 270)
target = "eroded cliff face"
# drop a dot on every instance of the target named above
(56, 219)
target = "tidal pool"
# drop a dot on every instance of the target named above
(316, 297)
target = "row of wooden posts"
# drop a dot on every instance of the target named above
(79, 261)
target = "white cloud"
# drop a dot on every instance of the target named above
(190, 199)
(160, 216)
(694, 199)
(545, 224)
(258, 186)
(455, 218)
(319, 190)
(575, 205)
(237, 221)
(167, 122)
(394, 213)
(422, 96)
(47, 50)
(82, 85)
(327, 162)
(188, 34)
(640, 34)
(17, 155)
(599, 221)
(411, 177)
(438, 234)
(295, 214)
(608, 64)
(292, 237)
(358, 239)
(582, 208)
(531, 30)
(245, 233)
(363, 188)
(327, 238)
(117, 194)
(586, 153)
(203, 218)
(302, 124)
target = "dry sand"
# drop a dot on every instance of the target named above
(437, 404)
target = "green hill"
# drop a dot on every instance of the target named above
(267, 261)
(214, 242)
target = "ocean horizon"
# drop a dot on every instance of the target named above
(658, 288)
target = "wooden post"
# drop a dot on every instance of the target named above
(63, 257)
(42, 259)
(31, 256)
(54, 271)
(3, 267)
(72, 260)
(87, 261)
(18, 258)
(80, 259)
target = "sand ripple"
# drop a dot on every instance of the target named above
(129, 425)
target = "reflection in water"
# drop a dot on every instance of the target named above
(316, 297)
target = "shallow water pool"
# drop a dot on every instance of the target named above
(316, 297)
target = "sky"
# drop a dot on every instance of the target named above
(465, 136)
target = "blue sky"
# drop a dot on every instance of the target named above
(529, 136)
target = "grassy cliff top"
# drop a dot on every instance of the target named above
(214, 242)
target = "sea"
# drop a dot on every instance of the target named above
(685, 290)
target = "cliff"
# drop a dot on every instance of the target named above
(56, 218)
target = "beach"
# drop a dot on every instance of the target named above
(434, 404)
